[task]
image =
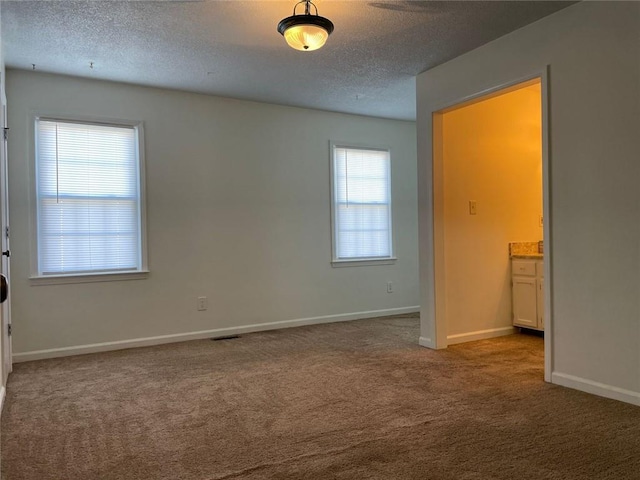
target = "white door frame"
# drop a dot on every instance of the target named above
(436, 337)
(5, 308)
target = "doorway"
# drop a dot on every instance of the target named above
(490, 188)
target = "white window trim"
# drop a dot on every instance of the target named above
(364, 261)
(87, 277)
(36, 278)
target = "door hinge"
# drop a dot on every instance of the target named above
(6, 133)
(6, 232)
(9, 329)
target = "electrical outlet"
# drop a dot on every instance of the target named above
(473, 207)
(389, 287)
(202, 304)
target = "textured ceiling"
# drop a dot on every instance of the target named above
(232, 48)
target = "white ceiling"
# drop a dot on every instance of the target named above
(232, 48)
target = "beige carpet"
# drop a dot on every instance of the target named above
(356, 400)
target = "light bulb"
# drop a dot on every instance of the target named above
(306, 38)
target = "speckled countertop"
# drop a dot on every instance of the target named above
(524, 250)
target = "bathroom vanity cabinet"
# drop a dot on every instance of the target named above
(527, 287)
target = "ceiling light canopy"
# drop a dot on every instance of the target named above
(305, 32)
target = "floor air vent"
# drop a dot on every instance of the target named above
(225, 337)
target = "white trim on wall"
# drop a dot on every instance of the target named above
(480, 335)
(547, 200)
(183, 337)
(3, 394)
(596, 388)
(426, 342)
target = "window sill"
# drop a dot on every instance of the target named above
(365, 262)
(87, 278)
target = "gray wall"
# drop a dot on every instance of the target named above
(238, 209)
(593, 53)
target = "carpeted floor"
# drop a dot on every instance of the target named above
(355, 400)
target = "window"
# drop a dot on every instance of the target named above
(361, 207)
(89, 198)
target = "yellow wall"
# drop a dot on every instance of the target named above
(491, 154)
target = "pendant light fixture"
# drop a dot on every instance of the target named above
(305, 32)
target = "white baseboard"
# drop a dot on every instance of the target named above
(596, 388)
(479, 335)
(3, 394)
(183, 337)
(426, 342)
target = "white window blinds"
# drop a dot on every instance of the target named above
(362, 204)
(88, 198)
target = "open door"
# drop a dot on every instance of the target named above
(5, 306)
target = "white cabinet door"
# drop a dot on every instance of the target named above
(525, 302)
